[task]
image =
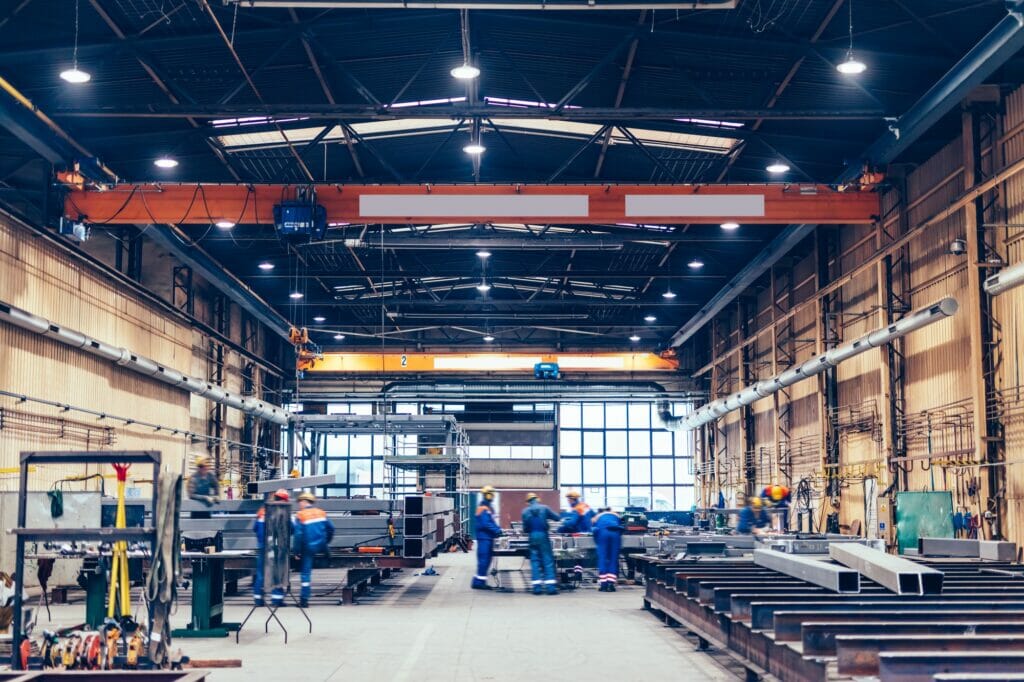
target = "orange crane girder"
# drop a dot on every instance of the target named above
(172, 203)
(414, 363)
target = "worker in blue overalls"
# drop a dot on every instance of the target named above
(608, 530)
(487, 529)
(752, 518)
(313, 533)
(260, 529)
(542, 559)
(577, 520)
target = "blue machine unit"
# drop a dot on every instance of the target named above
(546, 370)
(300, 220)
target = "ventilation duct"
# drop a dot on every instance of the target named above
(485, 391)
(1005, 279)
(142, 365)
(816, 365)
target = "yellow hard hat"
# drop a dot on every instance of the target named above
(755, 502)
(487, 490)
(530, 497)
(203, 461)
(573, 495)
(294, 473)
(778, 492)
(307, 497)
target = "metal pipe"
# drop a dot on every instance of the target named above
(452, 243)
(142, 365)
(1004, 280)
(816, 365)
(524, 390)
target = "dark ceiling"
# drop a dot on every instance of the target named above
(163, 72)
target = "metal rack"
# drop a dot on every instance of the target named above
(24, 534)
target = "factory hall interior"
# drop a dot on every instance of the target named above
(510, 340)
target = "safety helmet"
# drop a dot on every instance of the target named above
(778, 492)
(294, 473)
(203, 461)
(573, 495)
(307, 497)
(487, 490)
(530, 497)
(282, 496)
(755, 502)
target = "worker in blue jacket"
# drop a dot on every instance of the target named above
(577, 520)
(313, 533)
(259, 528)
(542, 559)
(752, 517)
(486, 530)
(608, 530)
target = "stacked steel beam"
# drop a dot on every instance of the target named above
(775, 624)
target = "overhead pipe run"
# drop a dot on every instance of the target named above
(435, 243)
(816, 365)
(142, 365)
(484, 391)
(1005, 279)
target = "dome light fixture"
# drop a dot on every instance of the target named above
(483, 287)
(465, 72)
(634, 338)
(75, 75)
(777, 168)
(729, 226)
(650, 318)
(339, 337)
(319, 319)
(695, 264)
(165, 162)
(474, 149)
(295, 295)
(669, 294)
(488, 338)
(483, 253)
(225, 224)
(266, 266)
(851, 66)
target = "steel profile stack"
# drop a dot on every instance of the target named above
(428, 523)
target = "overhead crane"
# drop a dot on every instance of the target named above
(584, 204)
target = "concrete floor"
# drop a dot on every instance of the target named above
(437, 628)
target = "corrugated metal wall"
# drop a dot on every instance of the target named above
(45, 280)
(938, 379)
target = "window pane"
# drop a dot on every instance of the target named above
(340, 470)
(359, 472)
(684, 498)
(543, 452)
(595, 497)
(662, 442)
(593, 471)
(479, 451)
(571, 471)
(663, 499)
(615, 443)
(569, 415)
(593, 415)
(639, 471)
(615, 415)
(684, 471)
(639, 443)
(337, 408)
(378, 471)
(684, 443)
(593, 443)
(662, 470)
(362, 408)
(640, 496)
(361, 446)
(501, 451)
(617, 471)
(337, 446)
(522, 407)
(522, 452)
(569, 443)
(639, 415)
(618, 496)
(406, 408)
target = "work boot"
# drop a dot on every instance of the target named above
(537, 589)
(552, 589)
(304, 603)
(257, 600)
(603, 587)
(611, 586)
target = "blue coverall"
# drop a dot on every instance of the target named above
(260, 529)
(608, 530)
(750, 519)
(578, 519)
(542, 559)
(313, 531)
(486, 530)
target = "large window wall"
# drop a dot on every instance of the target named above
(617, 454)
